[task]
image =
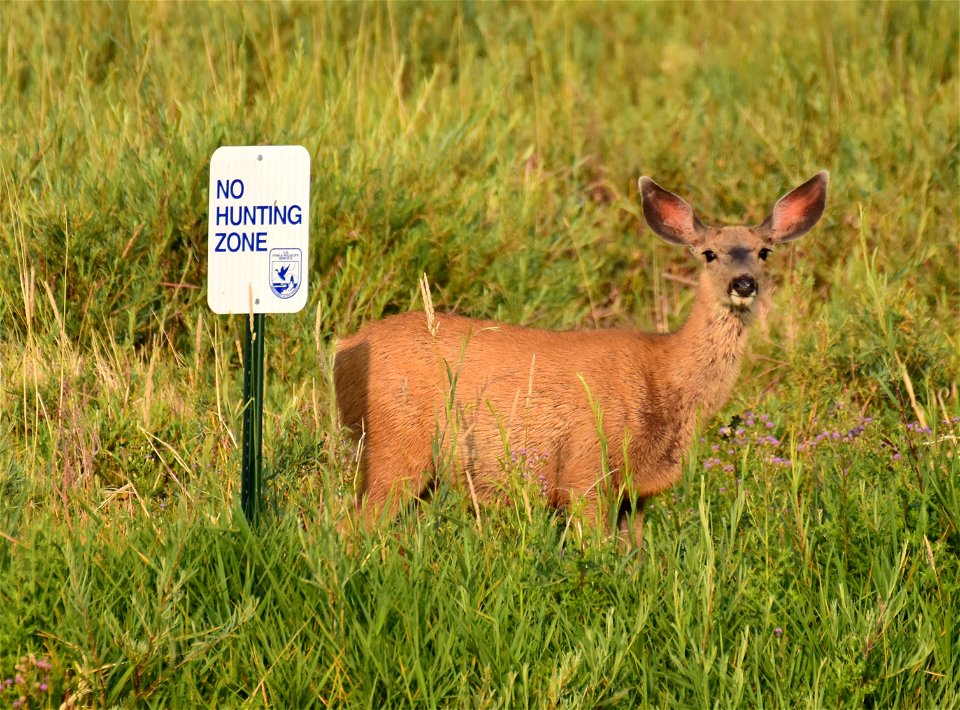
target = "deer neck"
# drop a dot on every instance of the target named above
(705, 354)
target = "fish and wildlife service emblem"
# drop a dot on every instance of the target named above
(286, 266)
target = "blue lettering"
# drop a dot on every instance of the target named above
(255, 215)
(234, 242)
(230, 188)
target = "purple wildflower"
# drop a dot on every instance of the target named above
(778, 632)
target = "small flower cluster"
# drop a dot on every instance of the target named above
(30, 684)
(529, 462)
(716, 463)
(749, 421)
(847, 436)
(918, 428)
(755, 430)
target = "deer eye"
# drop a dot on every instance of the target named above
(709, 255)
(764, 253)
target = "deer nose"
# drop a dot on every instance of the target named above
(744, 286)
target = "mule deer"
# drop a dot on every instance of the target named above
(476, 388)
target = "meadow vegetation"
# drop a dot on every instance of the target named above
(810, 557)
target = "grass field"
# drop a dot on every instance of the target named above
(810, 557)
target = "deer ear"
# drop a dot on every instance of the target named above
(796, 212)
(669, 216)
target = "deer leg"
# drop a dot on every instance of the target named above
(630, 524)
(393, 476)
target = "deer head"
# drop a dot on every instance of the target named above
(734, 256)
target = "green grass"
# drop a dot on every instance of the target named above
(494, 147)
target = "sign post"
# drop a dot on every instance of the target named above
(257, 257)
(251, 470)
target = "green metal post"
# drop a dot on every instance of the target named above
(251, 482)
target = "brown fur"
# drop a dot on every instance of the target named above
(487, 388)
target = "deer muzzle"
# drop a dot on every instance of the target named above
(742, 290)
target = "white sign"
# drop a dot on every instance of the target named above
(258, 229)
